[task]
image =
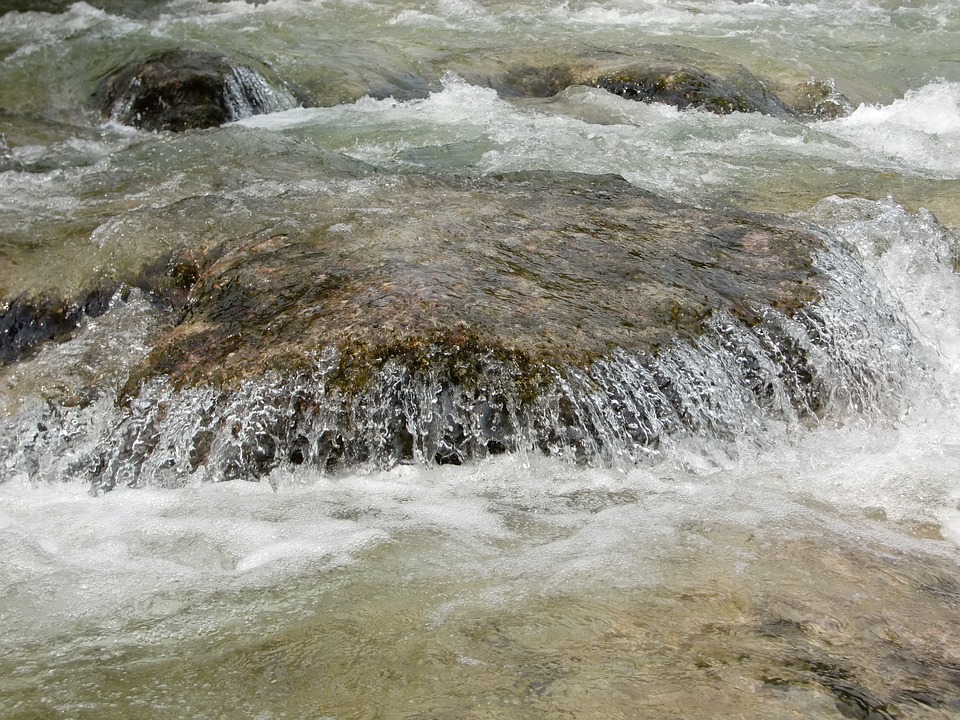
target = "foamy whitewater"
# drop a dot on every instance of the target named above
(795, 567)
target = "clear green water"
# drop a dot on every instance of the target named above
(794, 575)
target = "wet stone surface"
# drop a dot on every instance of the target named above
(546, 269)
(443, 320)
(689, 87)
(664, 74)
(404, 318)
(188, 89)
(32, 319)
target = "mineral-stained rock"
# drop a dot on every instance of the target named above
(187, 89)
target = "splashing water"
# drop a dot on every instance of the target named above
(763, 523)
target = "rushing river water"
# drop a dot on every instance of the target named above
(806, 566)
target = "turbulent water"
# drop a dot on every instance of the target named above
(758, 564)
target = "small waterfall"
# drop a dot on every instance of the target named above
(247, 93)
(185, 89)
(846, 356)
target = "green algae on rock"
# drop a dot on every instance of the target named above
(444, 319)
(560, 269)
(373, 319)
(816, 99)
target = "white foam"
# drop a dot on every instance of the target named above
(908, 470)
(45, 29)
(912, 257)
(660, 148)
(921, 131)
(85, 557)
(527, 524)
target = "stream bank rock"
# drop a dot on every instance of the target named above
(442, 320)
(184, 89)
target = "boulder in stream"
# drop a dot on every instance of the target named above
(188, 89)
(691, 87)
(665, 74)
(444, 320)
(390, 319)
(817, 99)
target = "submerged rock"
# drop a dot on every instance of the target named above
(657, 73)
(29, 320)
(444, 320)
(385, 319)
(820, 100)
(671, 75)
(188, 89)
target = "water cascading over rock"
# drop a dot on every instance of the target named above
(188, 89)
(439, 320)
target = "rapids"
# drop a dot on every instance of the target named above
(761, 559)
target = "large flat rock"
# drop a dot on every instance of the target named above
(547, 269)
(371, 319)
(445, 319)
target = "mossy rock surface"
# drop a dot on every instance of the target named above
(390, 318)
(691, 87)
(817, 99)
(446, 319)
(552, 270)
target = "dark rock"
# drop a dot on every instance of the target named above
(26, 322)
(528, 80)
(850, 699)
(186, 89)
(671, 75)
(691, 87)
